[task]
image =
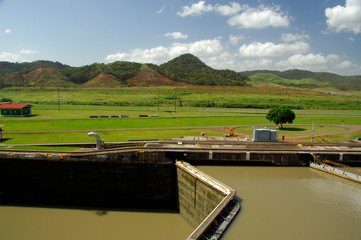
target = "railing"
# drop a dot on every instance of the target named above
(122, 145)
(336, 168)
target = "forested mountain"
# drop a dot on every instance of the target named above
(26, 67)
(189, 69)
(183, 70)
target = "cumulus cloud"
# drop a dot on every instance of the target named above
(259, 18)
(196, 9)
(201, 7)
(27, 51)
(162, 54)
(240, 16)
(234, 39)
(289, 54)
(270, 49)
(289, 37)
(12, 57)
(319, 63)
(176, 35)
(228, 10)
(16, 57)
(345, 18)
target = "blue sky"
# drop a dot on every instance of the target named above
(241, 35)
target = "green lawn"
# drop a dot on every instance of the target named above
(97, 124)
(40, 148)
(73, 116)
(193, 96)
(112, 136)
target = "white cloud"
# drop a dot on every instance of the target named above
(195, 9)
(259, 18)
(258, 64)
(345, 18)
(160, 10)
(12, 57)
(176, 35)
(289, 37)
(270, 49)
(7, 31)
(227, 10)
(27, 51)
(320, 63)
(253, 56)
(162, 54)
(234, 39)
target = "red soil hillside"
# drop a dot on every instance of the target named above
(103, 80)
(37, 73)
(45, 77)
(148, 77)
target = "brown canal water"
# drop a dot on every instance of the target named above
(291, 203)
(276, 203)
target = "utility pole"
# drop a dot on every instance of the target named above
(175, 104)
(175, 101)
(58, 99)
(158, 99)
(313, 131)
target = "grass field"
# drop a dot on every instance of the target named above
(221, 97)
(113, 136)
(124, 123)
(74, 113)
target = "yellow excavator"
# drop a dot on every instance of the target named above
(231, 132)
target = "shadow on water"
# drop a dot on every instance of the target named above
(232, 163)
(99, 211)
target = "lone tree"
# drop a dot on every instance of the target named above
(280, 115)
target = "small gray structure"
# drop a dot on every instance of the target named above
(264, 135)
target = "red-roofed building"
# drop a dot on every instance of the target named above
(15, 110)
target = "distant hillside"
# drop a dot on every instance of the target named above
(149, 77)
(183, 70)
(306, 79)
(189, 69)
(38, 73)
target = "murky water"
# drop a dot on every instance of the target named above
(292, 203)
(18, 223)
(277, 203)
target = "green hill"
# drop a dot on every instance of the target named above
(272, 80)
(185, 69)
(307, 79)
(189, 69)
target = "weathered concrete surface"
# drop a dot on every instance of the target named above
(131, 179)
(196, 199)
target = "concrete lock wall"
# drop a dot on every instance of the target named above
(196, 199)
(126, 180)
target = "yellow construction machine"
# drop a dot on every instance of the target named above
(231, 132)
